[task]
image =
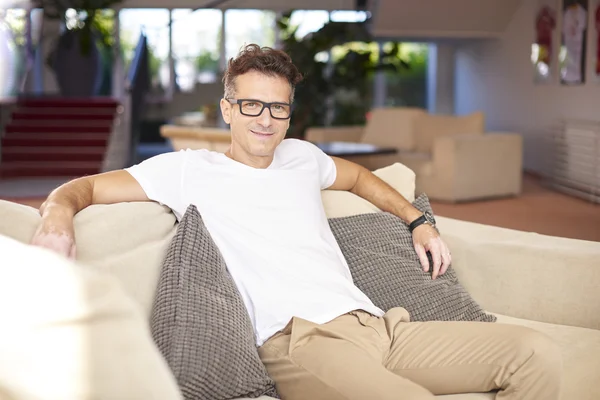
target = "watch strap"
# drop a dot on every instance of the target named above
(419, 221)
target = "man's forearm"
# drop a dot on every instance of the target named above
(68, 199)
(384, 197)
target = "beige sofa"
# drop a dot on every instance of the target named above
(453, 157)
(92, 316)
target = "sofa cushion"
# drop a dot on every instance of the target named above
(341, 203)
(428, 127)
(200, 323)
(385, 266)
(420, 163)
(392, 127)
(581, 356)
(72, 333)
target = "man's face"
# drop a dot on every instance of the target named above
(254, 137)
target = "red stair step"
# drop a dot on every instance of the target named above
(45, 169)
(56, 129)
(55, 139)
(82, 116)
(66, 123)
(66, 110)
(84, 102)
(28, 153)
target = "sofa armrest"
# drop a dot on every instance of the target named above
(478, 166)
(526, 275)
(335, 134)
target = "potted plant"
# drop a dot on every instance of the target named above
(82, 53)
(334, 92)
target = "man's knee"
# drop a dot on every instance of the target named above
(540, 351)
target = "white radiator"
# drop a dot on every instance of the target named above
(575, 159)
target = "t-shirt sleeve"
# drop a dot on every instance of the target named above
(161, 177)
(326, 165)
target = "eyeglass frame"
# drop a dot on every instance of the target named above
(264, 105)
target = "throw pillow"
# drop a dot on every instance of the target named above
(199, 321)
(384, 265)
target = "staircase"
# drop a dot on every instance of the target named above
(51, 137)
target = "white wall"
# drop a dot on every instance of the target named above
(496, 76)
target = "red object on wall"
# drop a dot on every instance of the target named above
(544, 26)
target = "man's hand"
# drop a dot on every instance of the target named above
(56, 233)
(426, 238)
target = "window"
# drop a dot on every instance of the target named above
(13, 50)
(348, 16)
(155, 24)
(408, 85)
(196, 42)
(308, 21)
(248, 26)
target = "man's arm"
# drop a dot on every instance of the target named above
(362, 182)
(56, 229)
(106, 188)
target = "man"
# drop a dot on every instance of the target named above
(320, 337)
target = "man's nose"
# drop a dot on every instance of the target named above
(265, 118)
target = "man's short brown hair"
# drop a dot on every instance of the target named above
(265, 60)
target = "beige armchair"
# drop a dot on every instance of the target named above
(453, 157)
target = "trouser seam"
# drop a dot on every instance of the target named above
(502, 368)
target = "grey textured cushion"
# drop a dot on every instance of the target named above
(384, 265)
(199, 321)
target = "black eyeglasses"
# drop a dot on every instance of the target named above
(253, 108)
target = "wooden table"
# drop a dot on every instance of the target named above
(196, 137)
(351, 149)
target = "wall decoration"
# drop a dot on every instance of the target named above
(542, 51)
(574, 34)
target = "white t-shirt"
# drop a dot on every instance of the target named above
(270, 226)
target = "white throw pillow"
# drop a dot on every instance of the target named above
(70, 333)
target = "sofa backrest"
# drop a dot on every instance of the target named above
(129, 240)
(428, 127)
(392, 127)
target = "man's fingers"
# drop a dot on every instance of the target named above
(446, 259)
(422, 254)
(436, 255)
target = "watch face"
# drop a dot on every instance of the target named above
(429, 217)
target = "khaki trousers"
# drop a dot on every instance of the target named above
(359, 356)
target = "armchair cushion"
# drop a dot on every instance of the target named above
(393, 127)
(199, 321)
(428, 127)
(384, 265)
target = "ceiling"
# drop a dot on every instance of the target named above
(422, 19)
(428, 19)
(393, 19)
(277, 5)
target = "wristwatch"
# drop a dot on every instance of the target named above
(426, 218)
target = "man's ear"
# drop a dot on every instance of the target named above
(225, 110)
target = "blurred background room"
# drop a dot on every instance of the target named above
(488, 102)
